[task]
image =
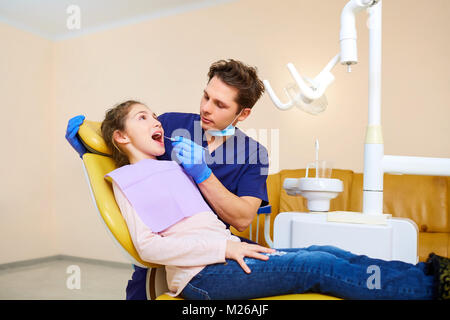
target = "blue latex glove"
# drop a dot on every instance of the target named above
(71, 134)
(192, 157)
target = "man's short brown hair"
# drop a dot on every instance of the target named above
(240, 76)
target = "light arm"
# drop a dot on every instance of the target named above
(273, 96)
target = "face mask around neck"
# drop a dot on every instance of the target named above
(228, 131)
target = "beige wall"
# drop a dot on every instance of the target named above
(164, 62)
(27, 227)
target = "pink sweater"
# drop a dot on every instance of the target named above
(185, 248)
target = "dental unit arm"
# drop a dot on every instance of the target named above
(392, 238)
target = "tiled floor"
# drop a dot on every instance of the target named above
(55, 280)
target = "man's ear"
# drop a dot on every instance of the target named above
(244, 114)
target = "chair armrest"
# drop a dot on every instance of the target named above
(266, 210)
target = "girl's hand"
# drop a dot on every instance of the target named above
(239, 250)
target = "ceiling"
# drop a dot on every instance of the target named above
(49, 18)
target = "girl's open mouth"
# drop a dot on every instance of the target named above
(158, 137)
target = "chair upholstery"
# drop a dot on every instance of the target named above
(91, 136)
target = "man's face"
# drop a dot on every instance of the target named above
(218, 106)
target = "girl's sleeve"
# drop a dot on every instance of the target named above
(179, 250)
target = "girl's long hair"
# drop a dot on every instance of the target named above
(115, 120)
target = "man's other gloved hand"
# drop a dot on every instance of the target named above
(192, 157)
(71, 134)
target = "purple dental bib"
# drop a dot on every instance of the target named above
(160, 191)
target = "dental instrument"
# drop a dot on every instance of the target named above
(173, 139)
(379, 235)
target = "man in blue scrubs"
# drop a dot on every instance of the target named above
(229, 167)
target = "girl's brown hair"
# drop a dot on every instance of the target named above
(115, 120)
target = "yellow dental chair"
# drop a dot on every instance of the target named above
(97, 163)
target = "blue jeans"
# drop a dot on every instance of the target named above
(320, 269)
(136, 287)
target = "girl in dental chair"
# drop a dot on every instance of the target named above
(171, 224)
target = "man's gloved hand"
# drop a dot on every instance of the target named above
(192, 157)
(71, 134)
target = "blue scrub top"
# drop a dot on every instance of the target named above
(241, 164)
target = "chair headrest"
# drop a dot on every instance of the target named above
(91, 136)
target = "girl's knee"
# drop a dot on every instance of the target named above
(318, 258)
(324, 248)
(338, 252)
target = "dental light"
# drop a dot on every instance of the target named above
(307, 94)
(382, 236)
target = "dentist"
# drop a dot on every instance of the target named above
(229, 167)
